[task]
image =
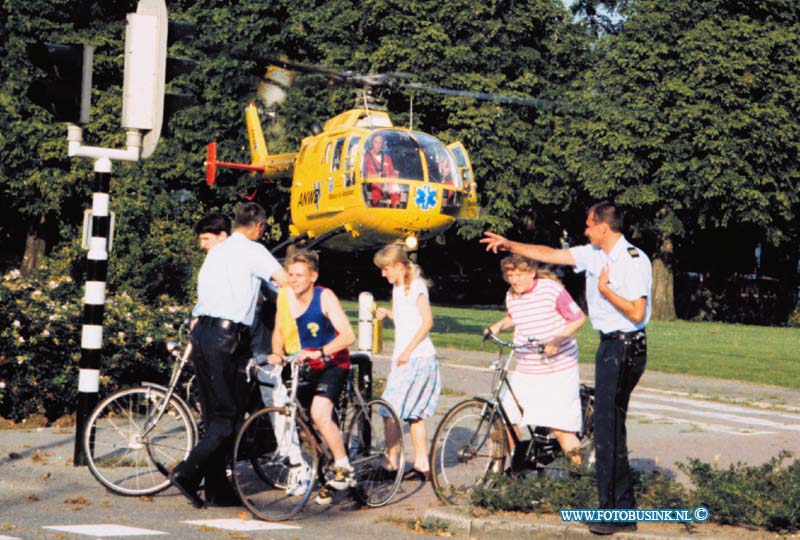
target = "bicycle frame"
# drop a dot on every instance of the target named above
(351, 394)
(169, 390)
(502, 368)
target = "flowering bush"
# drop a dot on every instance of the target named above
(40, 343)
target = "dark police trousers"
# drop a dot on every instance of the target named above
(216, 354)
(619, 363)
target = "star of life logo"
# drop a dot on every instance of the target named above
(425, 197)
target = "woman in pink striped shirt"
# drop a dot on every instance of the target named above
(546, 382)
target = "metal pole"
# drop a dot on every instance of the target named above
(365, 310)
(93, 305)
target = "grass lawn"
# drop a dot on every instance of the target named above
(757, 354)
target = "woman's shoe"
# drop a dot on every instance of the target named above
(416, 474)
(383, 474)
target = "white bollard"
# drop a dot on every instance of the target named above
(365, 303)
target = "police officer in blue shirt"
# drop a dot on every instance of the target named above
(618, 294)
(227, 292)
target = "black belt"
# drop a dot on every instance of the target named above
(225, 324)
(622, 335)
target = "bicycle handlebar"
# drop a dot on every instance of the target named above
(252, 368)
(531, 342)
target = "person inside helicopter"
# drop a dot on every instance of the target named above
(378, 163)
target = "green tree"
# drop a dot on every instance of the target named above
(693, 124)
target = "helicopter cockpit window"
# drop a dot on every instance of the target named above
(441, 164)
(337, 155)
(350, 161)
(387, 155)
(391, 154)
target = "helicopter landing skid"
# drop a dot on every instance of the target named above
(304, 236)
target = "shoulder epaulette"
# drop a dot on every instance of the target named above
(633, 252)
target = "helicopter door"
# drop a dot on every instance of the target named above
(350, 161)
(469, 209)
(335, 181)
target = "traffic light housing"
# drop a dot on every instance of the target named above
(148, 37)
(66, 91)
(177, 31)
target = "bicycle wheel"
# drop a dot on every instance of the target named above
(368, 451)
(274, 468)
(124, 451)
(469, 443)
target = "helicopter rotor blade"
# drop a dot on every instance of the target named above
(334, 75)
(527, 101)
(394, 80)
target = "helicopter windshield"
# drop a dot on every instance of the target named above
(391, 154)
(441, 164)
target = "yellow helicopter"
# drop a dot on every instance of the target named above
(361, 182)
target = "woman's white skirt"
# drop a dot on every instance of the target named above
(547, 399)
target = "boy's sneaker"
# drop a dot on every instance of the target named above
(340, 478)
(324, 497)
(298, 478)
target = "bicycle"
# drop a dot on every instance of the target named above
(471, 442)
(135, 435)
(279, 455)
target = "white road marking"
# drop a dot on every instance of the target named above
(104, 529)
(736, 401)
(717, 428)
(727, 408)
(241, 524)
(676, 406)
(687, 413)
(8, 537)
(462, 366)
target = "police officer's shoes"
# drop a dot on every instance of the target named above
(603, 528)
(340, 478)
(186, 486)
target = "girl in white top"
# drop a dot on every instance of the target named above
(414, 383)
(545, 382)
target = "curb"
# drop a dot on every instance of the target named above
(462, 523)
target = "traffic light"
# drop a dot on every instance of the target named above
(148, 37)
(173, 102)
(66, 91)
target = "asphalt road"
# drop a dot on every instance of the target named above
(672, 418)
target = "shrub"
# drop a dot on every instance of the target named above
(655, 490)
(40, 343)
(536, 494)
(766, 495)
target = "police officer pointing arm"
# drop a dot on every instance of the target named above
(618, 294)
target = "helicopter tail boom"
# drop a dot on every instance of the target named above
(258, 144)
(212, 164)
(271, 166)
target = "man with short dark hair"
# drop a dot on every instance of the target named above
(212, 229)
(618, 293)
(227, 290)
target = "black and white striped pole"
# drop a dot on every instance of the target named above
(66, 93)
(93, 304)
(146, 42)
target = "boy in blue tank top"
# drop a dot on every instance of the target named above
(325, 333)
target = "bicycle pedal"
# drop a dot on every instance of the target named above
(340, 478)
(324, 497)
